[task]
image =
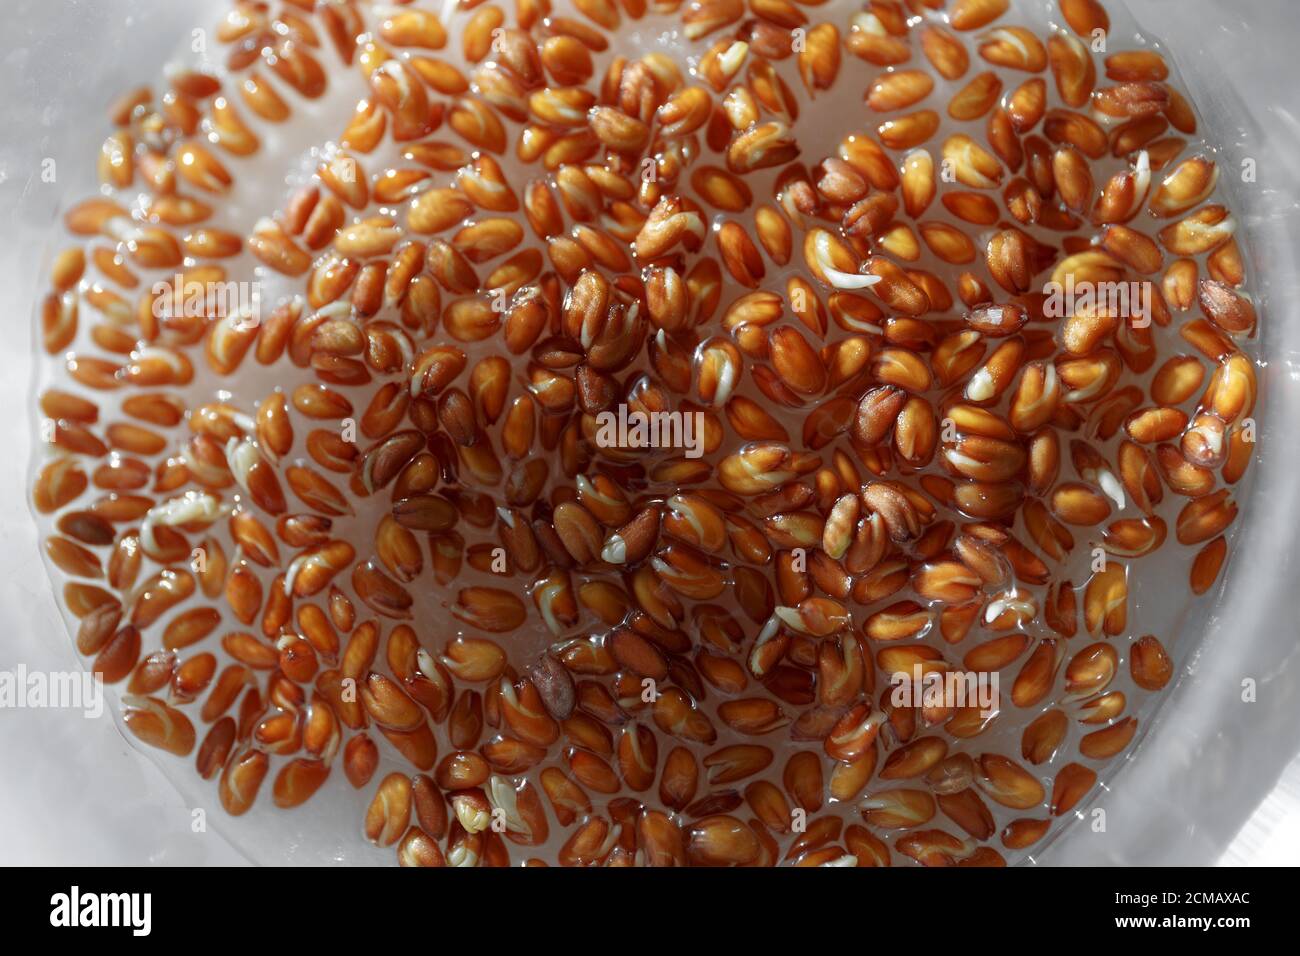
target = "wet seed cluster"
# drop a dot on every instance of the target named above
(408, 558)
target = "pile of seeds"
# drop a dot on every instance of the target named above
(365, 533)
